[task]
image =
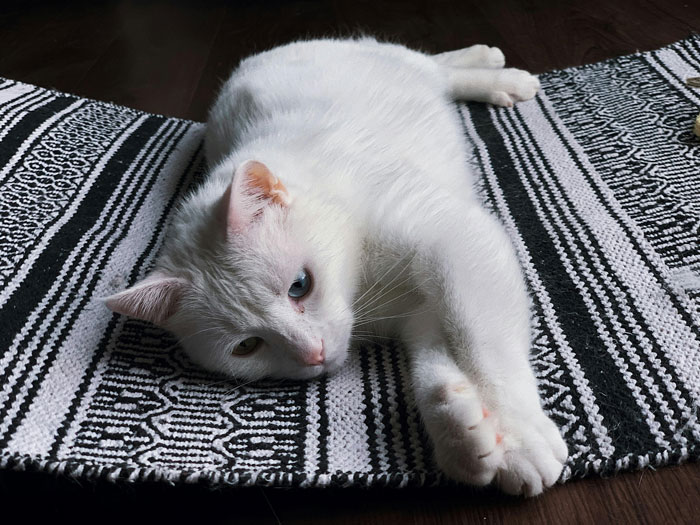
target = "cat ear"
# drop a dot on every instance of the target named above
(154, 299)
(253, 187)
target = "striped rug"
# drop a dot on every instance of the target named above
(597, 180)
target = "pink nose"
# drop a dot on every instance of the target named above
(316, 355)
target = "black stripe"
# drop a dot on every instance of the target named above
(323, 426)
(398, 363)
(28, 125)
(384, 408)
(368, 407)
(614, 304)
(60, 247)
(109, 331)
(617, 407)
(692, 45)
(297, 395)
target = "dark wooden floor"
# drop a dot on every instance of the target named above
(170, 59)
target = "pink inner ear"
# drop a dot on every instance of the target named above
(253, 187)
(154, 299)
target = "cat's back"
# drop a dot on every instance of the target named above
(366, 109)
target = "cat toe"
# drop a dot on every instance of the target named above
(551, 434)
(519, 477)
(527, 89)
(468, 447)
(534, 460)
(494, 58)
(517, 85)
(488, 57)
(501, 98)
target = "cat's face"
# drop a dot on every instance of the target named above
(269, 296)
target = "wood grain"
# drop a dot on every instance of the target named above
(171, 58)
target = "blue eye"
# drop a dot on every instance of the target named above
(301, 285)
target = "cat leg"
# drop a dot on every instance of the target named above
(465, 439)
(476, 286)
(501, 87)
(475, 56)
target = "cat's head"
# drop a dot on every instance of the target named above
(256, 281)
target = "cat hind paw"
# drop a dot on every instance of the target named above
(513, 85)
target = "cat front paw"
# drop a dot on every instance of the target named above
(521, 455)
(513, 85)
(468, 447)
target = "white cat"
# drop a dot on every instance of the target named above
(340, 205)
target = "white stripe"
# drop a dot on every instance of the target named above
(348, 450)
(313, 430)
(15, 92)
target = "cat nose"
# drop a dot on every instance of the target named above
(316, 354)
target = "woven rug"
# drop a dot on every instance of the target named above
(597, 180)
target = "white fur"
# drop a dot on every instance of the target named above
(366, 139)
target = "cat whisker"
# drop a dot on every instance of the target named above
(238, 386)
(372, 303)
(377, 307)
(371, 334)
(399, 316)
(379, 279)
(368, 314)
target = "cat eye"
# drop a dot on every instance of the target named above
(247, 346)
(301, 285)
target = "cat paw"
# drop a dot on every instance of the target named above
(477, 56)
(513, 85)
(484, 56)
(523, 456)
(467, 444)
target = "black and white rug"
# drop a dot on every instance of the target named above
(597, 180)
